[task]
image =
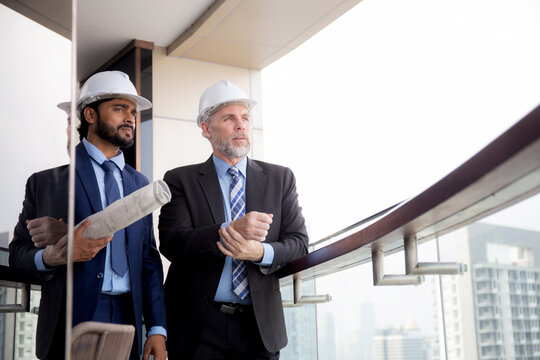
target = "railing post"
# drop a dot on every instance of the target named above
(380, 279)
(300, 299)
(413, 267)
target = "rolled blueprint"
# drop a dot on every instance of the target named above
(125, 211)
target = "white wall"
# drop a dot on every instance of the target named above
(35, 76)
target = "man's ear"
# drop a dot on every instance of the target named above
(90, 115)
(206, 130)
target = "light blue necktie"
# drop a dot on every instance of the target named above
(118, 243)
(238, 208)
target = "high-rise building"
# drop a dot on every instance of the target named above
(301, 327)
(400, 344)
(367, 330)
(491, 312)
(327, 349)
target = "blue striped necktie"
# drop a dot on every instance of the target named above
(118, 244)
(238, 208)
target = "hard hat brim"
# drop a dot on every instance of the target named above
(66, 106)
(140, 102)
(210, 109)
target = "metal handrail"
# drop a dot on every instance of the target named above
(504, 172)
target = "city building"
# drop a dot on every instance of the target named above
(407, 343)
(491, 312)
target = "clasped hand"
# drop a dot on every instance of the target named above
(46, 230)
(242, 239)
(253, 225)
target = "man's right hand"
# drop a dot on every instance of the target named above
(253, 225)
(84, 249)
(46, 230)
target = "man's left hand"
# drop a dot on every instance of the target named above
(235, 246)
(155, 345)
(46, 230)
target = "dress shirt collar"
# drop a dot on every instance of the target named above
(99, 157)
(222, 167)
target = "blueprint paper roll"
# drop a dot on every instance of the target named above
(125, 211)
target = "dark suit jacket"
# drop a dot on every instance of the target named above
(46, 195)
(188, 228)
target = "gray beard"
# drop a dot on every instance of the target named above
(226, 147)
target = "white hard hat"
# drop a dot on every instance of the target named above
(66, 106)
(109, 85)
(218, 94)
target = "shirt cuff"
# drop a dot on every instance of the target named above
(157, 330)
(225, 224)
(268, 256)
(38, 260)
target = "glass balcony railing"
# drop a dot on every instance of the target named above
(447, 316)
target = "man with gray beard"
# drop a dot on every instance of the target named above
(231, 224)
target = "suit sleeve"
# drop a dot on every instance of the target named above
(180, 238)
(293, 239)
(21, 249)
(152, 277)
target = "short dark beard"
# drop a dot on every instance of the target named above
(104, 132)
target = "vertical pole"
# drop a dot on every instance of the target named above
(377, 260)
(297, 288)
(441, 298)
(71, 186)
(411, 253)
(138, 120)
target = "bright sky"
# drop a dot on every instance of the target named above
(383, 103)
(393, 96)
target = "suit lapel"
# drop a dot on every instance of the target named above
(255, 186)
(209, 183)
(87, 177)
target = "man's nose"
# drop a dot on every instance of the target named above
(239, 124)
(130, 118)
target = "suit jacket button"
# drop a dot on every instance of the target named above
(99, 275)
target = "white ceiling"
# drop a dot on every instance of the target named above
(105, 27)
(244, 33)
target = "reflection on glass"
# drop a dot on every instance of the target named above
(35, 78)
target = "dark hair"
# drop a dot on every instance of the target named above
(83, 127)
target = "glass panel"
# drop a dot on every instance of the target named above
(374, 109)
(491, 312)
(25, 329)
(35, 66)
(301, 324)
(372, 322)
